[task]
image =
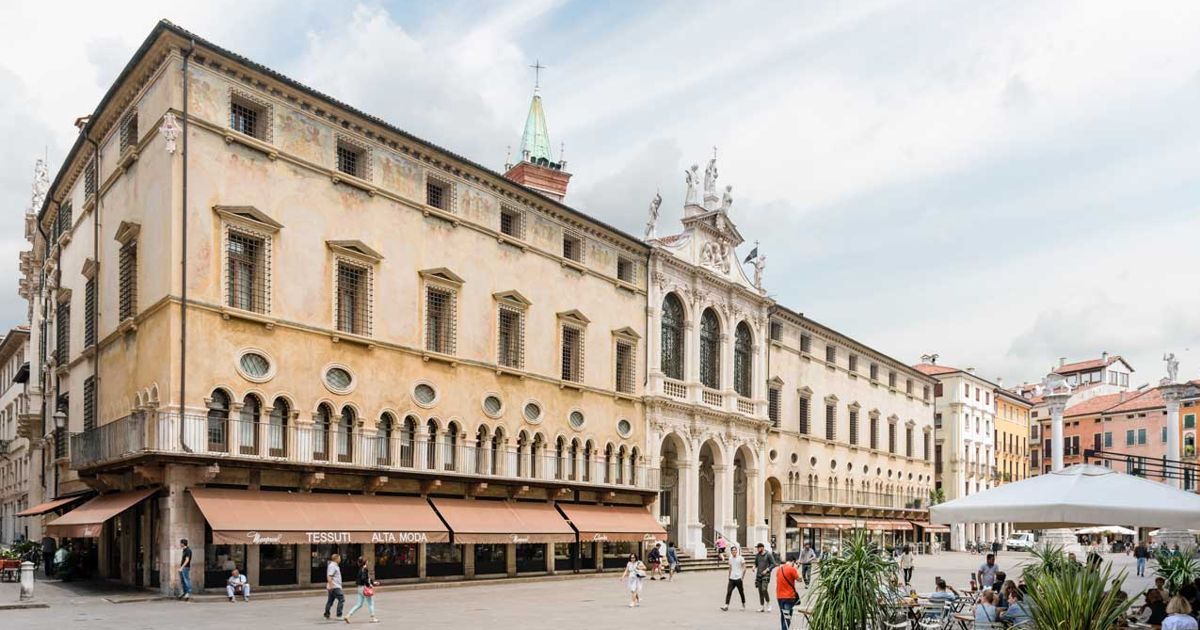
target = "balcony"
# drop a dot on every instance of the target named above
(853, 498)
(675, 389)
(158, 434)
(712, 398)
(744, 405)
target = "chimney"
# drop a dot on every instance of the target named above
(1104, 356)
(1000, 382)
(1062, 361)
(1122, 399)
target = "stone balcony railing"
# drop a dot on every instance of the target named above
(159, 434)
(853, 498)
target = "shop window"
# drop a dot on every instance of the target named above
(442, 559)
(395, 561)
(491, 558)
(531, 558)
(319, 560)
(276, 565)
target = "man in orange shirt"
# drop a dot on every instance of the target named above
(786, 578)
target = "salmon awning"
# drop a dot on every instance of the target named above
(490, 522)
(87, 520)
(49, 506)
(930, 528)
(610, 523)
(256, 517)
(821, 522)
(889, 526)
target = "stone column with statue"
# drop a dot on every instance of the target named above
(1172, 392)
(1056, 394)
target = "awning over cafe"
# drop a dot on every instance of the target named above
(87, 520)
(489, 522)
(931, 528)
(50, 506)
(822, 522)
(269, 518)
(612, 523)
(888, 525)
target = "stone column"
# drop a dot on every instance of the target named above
(729, 402)
(510, 559)
(180, 519)
(469, 560)
(756, 529)
(689, 506)
(723, 514)
(692, 367)
(1172, 393)
(420, 455)
(550, 568)
(1057, 403)
(422, 561)
(303, 565)
(653, 341)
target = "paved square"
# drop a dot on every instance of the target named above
(595, 603)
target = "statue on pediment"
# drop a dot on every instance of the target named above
(650, 225)
(692, 178)
(727, 198)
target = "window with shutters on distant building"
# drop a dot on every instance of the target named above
(804, 415)
(830, 422)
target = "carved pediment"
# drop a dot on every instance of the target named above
(355, 249)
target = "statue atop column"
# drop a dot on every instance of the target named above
(727, 199)
(692, 177)
(1172, 368)
(650, 225)
(759, 263)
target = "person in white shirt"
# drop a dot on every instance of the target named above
(737, 569)
(807, 556)
(1179, 615)
(907, 560)
(237, 585)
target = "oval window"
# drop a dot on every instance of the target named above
(576, 419)
(338, 379)
(492, 405)
(533, 412)
(624, 427)
(255, 366)
(424, 394)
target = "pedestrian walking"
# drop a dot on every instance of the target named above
(907, 560)
(655, 560)
(672, 561)
(764, 565)
(987, 572)
(333, 585)
(633, 575)
(1141, 553)
(786, 593)
(185, 571)
(48, 549)
(366, 592)
(807, 556)
(737, 570)
(721, 544)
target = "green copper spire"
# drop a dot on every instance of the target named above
(535, 142)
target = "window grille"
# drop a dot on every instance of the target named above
(805, 420)
(830, 422)
(218, 421)
(626, 272)
(89, 312)
(908, 441)
(129, 131)
(625, 367)
(776, 331)
(63, 220)
(438, 194)
(891, 379)
(853, 427)
(908, 386)
(321, 427)
(742, 368)
(831, 353)
(891, 437)
(511, 222)
(351, 159)
(710, 350)
(62, 327)
(572, 354)
(773, 406)
(511, 338)
(572, 247)
(246, 117)
(353, 298)
(852, 362)
(805, 343)
(440, 320)
(89, 403)
(874, 372)
(89, 178)
(671, 361)
(247, 272)
(127, 285)
(874, 432)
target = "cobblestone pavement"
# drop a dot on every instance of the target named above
(595, 603)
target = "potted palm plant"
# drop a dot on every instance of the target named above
(1177, 569)
(1066, 595)
(851, 590)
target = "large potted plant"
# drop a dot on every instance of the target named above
(1066, 595)
(851, 588)
(1177, 569)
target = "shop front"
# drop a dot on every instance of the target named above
(823, 533)
(106, 536)
(501, 537)
(930, 536)
(618, 530)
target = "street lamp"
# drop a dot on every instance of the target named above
(60, 420)
(60, 425)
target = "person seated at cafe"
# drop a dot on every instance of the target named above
(237, 585)
(1156, 606)
(998, 585)
(1179, 615)
(896, 590)
(1160, 585)
(985, 610)
(943, 592)
(1017, 610)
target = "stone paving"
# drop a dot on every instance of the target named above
(595, 602)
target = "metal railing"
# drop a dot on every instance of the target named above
(853, 498)
(159, 433)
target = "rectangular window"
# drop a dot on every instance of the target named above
(127, 284)
(776, 331)
(626, 272)
(830, 422)
(625, 367)
(804, 416)
(908, 386)
(1189, 421)
(439, 320)
(1130, 439)
(353, 298)
(925, 451)
(129, 131)
(89, 403)
(908, 441)
(892, 379)
(572, 247)
(351, 159)
(1075, 445)
(852, 362)
(62, 328)
(512, 222)
(246, 116)
(966, 390)
(874, 372)
(246, 275)
(853, 426)
(511, 338)
(831, 353)
(1164, 434)
(987, 398)
(805, 343)
(937, 420)
(572, 354)
(1141, 436)
(1098, 441)
(925, 392)
(89, 178)
(63, 221)
(773, 406)
(89, 313)
(891, 437)
(874, 432)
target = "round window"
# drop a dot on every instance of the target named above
(833, 464)
(255, 365)
(795, 458)
(849, 466)
(492, 405)
(576, 419)
(865, 469)
(533, 411)
(624, 427)
(338, 379)
(812, 461)
(424, 394)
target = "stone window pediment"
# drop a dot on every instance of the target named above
(246, 216)
(355, 249)
(511, 298)
(442, 275)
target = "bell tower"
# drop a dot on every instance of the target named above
(535, 166)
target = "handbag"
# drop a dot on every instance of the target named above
(368, 591)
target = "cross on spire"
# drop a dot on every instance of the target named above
(537, 74)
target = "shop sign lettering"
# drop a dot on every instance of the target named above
(328, 537)
(599, 538)
(259, 539)
(399, 537)
(516, 538)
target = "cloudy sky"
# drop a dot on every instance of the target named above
(1002, 183)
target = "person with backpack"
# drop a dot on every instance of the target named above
(672, 561)
(786, 593)
(655, 560)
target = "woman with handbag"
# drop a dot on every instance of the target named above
(634, 573)
(366, 592)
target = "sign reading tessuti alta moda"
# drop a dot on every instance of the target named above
(326, 537)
